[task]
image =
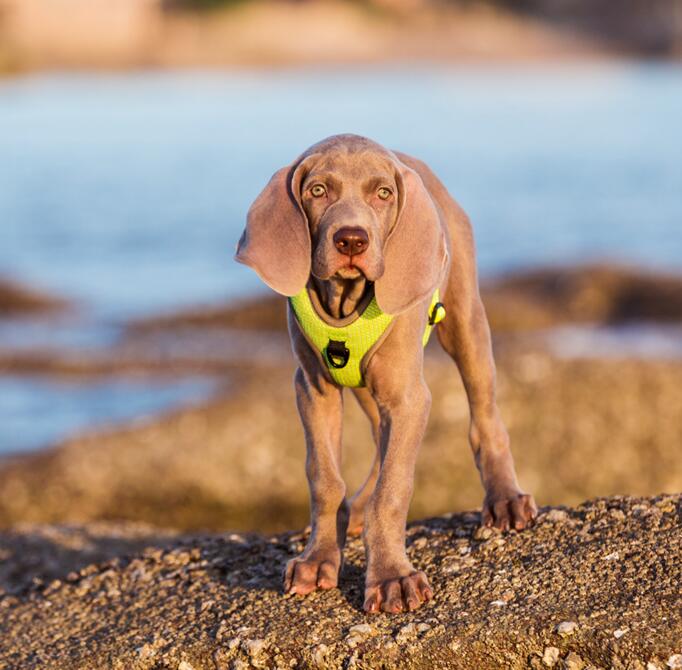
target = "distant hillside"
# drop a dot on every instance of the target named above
(649, 27)
(63, 34)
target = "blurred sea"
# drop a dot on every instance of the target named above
(127, 192)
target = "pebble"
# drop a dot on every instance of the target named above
(620, 632)
(358, 633)
(406, 633)
(320, 655)
(675, 661)
(184, 665)
(566, 628)
(255, 647)
(453, 568)
(483, 533)
(550, 657)
(145, 652)
(573, 662)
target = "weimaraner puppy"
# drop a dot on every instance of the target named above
(354, 226)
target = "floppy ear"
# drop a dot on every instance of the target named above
(415, 251)
(276, 240)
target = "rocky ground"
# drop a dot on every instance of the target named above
(597, 586)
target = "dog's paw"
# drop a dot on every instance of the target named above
(399, 594)
(516, 510)
(305, 575)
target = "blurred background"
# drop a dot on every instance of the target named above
(146, 376)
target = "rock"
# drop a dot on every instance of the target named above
(359, 633)
(550, 657)
(255, 648)
(320, 655)
(215, 603)
(361, 629)
(573, 662)
(406, 633)
(566, 628)
(483, 533)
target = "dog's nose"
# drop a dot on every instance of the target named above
(351, 241)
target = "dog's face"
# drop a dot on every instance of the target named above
(347, 207)
(351, 204)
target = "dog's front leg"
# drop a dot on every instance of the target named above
(320, 405)
(392, 584)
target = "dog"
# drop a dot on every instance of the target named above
(372, 250)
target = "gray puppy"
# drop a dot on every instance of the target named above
(372, 251)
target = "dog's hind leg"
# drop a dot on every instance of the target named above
(359, 500)
(465, 335)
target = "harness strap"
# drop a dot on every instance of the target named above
(345, 348)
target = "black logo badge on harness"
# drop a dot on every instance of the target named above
(337, 354)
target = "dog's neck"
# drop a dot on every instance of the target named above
(340, 297)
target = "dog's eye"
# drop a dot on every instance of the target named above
(318, 191)
(384, 193)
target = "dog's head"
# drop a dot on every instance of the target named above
(347, 207)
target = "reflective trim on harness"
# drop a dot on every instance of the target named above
(344, 348)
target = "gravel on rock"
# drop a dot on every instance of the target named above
(214, 601)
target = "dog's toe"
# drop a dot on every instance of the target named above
(516, 511)
(399, 594)
(305, 576)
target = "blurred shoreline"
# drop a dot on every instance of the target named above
(593, 422)
(35, 35)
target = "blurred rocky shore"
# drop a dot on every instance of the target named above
(595, 422)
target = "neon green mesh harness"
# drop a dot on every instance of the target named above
(344, 348)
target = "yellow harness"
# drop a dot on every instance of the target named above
(347, 349)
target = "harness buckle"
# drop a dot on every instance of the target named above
(437, 314)
(337, 354)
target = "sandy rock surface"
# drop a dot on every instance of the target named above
(579, 429)
(597, 586)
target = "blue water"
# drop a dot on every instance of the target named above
(127, 192)
(36, 412)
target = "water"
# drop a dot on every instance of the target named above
(128, 192)
(37, 411)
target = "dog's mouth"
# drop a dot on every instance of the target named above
(350, 270)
